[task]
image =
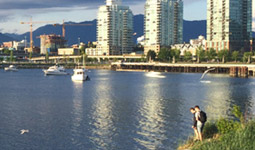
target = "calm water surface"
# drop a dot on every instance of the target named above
(113, 111)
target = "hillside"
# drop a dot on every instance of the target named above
(191, 30)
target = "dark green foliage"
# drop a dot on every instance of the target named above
(235, 55)
(47, 56)
(164, 55)
(187, 56)
(247, 57)
(211, 54)
(30, 55)
(223, 55)
(6, 51)
(175, 53)
(151, 55)
(200, 54)
(236, 111)
(11, 56)
(210, 129)
(225, 126)
(82, 49)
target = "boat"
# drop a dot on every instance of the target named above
(11, 68)
(80, 73)
(55, 70)
(155, 75)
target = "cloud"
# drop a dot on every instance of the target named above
(191, 1)
(8, 7)
(32, 4)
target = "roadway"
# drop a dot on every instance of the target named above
(42, 58)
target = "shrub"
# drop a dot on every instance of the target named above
(225, 126)
(210, 129)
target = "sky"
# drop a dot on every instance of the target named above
(12, 12)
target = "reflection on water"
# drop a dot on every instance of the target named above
(103, 129)
(77, 109)
(218, 97)
(221, 96)
(151, 124)
(206, 82)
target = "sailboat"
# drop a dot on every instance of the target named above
(80, 72)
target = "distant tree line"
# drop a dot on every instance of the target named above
(209, 56)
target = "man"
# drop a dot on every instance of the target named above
(201, 119)
(194, 125)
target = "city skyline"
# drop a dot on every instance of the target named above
(13, 12)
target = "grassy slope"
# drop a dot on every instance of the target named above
(241, 139)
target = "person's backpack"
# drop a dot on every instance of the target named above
(203, 117)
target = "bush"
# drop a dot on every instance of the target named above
(210, 129)
(225, 126)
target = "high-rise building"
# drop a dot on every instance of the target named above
(114, 29)
(163, 24)
(229, 24)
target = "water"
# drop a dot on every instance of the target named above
(115, 110)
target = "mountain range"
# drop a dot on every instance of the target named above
(191, 30)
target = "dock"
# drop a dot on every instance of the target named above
(234, 70)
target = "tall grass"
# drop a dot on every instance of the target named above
(225, 134)
(242, 139)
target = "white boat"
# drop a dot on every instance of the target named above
(155, 75)
(55, 70)
(79, 74)
(11, 68)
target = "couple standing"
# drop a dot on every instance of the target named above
(199, 120)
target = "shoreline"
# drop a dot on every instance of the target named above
(234, 70)
(25, 65)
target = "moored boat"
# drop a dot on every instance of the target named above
(11, 68)
(55, 70)
(80, 73)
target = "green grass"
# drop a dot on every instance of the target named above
(226, 134)
(242, 139)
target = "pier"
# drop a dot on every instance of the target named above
(234, 70)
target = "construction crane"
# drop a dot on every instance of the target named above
(64, 25)
(30, 23)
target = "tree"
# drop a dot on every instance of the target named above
(211, 54)
(200, 54)
(164, 55)
(235, 55)
(30, 55)
(151, 55)
(143, 59)
(82, 50)
(223, 55)
(247, 57)
(11, 56)
(47, 56)
(187, 56)
(175, 53)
